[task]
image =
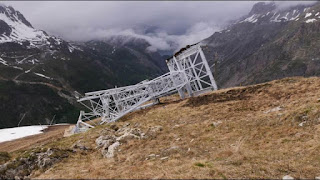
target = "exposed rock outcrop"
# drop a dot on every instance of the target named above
(41, 159)
(113, 137)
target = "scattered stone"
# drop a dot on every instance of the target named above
(114, 127)
(304, 117)
(101, 141)
(136, 125)
(79, 145)
(164, 158)
(151, 156)
(287, 177)
(107, 131)
(153, 131)
(318, 100)
(274, 110)
(215, 124)
(170, 151)
(128, 134)
(111, 139)
(126, 137)
(301, 124)
(126, 125)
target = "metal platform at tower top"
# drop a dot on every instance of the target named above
(189, 75)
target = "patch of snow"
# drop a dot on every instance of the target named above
(317, 14)
(253, 19)
(287, 15)
(3, 62)
(296, 17)
(41, 75)
(16, 67)
(71, 49)
(310, 20)
(276, 18)
(27, 71)
(114, 50)
(308, 15)
(306, 9)
(20, 62)
(9, 134)
(294, 11)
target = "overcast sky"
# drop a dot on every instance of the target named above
(177, 22)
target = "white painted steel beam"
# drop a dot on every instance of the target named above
(189, 72)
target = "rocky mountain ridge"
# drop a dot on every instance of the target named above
(269, 43)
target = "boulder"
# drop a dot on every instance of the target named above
(107, 139)
(110, 152)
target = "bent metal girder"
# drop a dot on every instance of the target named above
(189, 72)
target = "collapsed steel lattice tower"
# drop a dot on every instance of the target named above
(189, 74)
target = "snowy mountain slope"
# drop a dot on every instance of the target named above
(268, 12)
(15, 28)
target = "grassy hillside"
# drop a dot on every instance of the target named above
(267, 130)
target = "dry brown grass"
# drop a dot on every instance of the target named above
(248, 143)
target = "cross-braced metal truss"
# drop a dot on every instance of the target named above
(189, 72)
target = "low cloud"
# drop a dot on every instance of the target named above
(165, 25)
(287, 4)
(159, 40)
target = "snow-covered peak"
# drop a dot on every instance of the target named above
(15, 28)
(268, 12)
(13, 15)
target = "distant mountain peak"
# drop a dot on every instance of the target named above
(265, 12)
(15, 28)
(262, 8)
(14, 15)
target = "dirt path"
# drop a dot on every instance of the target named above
(52, 133)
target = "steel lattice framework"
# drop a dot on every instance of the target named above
(189, 73)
